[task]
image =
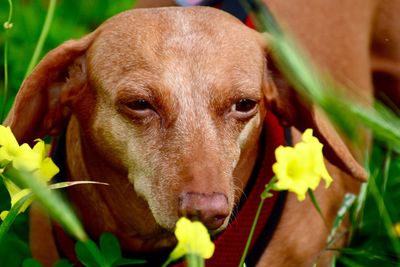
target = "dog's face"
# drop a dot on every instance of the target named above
(178, 102)
(173, 101)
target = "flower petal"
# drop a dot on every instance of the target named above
(301, 167)
(26, 159)
(193, 238)
(8, 140)
(48, 169)
(3, 214)
(18, 196)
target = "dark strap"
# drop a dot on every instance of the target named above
(234, 8)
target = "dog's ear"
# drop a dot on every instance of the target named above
(40, 105)
(293, 110)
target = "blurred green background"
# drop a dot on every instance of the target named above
(72, 19)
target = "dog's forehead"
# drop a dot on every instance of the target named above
(196, 41)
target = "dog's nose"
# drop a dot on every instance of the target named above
(211, 209)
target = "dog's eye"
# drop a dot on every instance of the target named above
(244, 109)
(244, 106)
(138, 109)
(139, 105)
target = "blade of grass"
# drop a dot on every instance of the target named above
(264, 195)
(42, 37)
(12, 214)
(7, 26)
(347, 203)
(350, 263)
(386, 166)
(361, 198)
(68, 184)
(370, 254)
(51, 201)
(386, 220)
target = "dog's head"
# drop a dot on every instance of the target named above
(175, 99)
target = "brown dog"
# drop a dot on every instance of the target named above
(168, 109)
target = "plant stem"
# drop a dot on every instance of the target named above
(264, 195)
(253, 227)
(193, 260)
(168, 261)
(5, 95)
(316, 205)
(42, 38)
(7, 27)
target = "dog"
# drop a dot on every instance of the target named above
(169, 110)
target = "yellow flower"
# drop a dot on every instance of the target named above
(16, 197)
(8, 146)
(26, 159)
(301, 167)
(397, 229)
(193, 238)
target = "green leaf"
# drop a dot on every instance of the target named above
(63, 263)
(369, 255)
(31, 263)
(110, 248)
(13, 250)
(349, 262)
(12, 214)
(347, 203)
(384, 215)
(122, 262)
(88, 254)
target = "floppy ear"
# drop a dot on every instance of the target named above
(40, 107)
(292, 110)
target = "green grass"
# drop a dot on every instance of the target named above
(373, 242)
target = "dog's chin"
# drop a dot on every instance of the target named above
(159, 239)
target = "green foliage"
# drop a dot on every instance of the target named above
(14, 246)
(72, 19)
(373, 241)
(31, 263)
(89, 254)
(108, 255)
(34, 263)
